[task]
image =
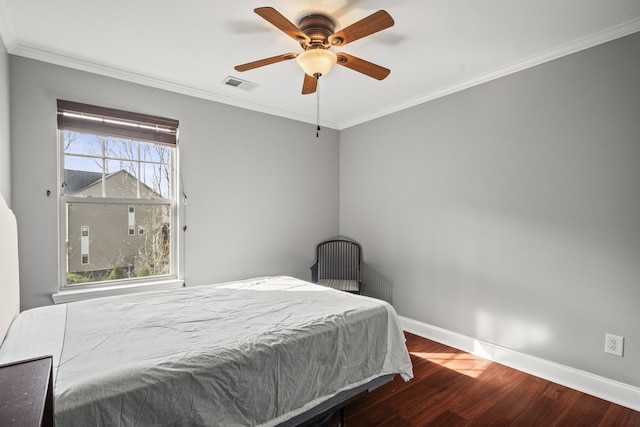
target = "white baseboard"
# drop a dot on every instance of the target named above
(604, 388)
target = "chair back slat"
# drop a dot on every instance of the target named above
(339, 259)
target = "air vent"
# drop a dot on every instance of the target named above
(239, 83)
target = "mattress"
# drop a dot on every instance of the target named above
(250, 353)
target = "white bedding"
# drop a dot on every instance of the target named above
(256, 352)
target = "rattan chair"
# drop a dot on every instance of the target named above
(338, 265)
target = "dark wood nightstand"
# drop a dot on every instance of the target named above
(26, 393)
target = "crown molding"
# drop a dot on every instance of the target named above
(82, 64)
(575, 46)
(6, 28)
(32, 52)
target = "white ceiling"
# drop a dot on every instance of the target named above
(435, 47)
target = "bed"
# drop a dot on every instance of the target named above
(259, 352)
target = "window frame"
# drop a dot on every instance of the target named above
(70, 292)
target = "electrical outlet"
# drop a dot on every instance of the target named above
(614, 344)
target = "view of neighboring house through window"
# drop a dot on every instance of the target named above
(118, 200)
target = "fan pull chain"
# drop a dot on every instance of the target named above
(318, 106)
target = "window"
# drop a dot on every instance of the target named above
(117, 169)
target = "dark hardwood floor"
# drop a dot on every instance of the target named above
(454, 388)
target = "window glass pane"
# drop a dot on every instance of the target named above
(114, 249)
(155, 153)
(82, 176)
(82, 143)
(156, 180)
(80, 163)
(121, 179)
(121, 149)
(114, 166)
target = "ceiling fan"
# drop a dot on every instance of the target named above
(316, 34)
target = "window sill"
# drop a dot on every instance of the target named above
(71, 295)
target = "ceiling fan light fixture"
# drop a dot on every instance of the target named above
(316, 61)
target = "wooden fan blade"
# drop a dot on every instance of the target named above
(309, 85)
(362, 66)
(266, 61)
(282, 23)
(371, 24)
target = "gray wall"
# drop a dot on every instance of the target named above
(262, 190)
(5, 149)
(510, 212)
